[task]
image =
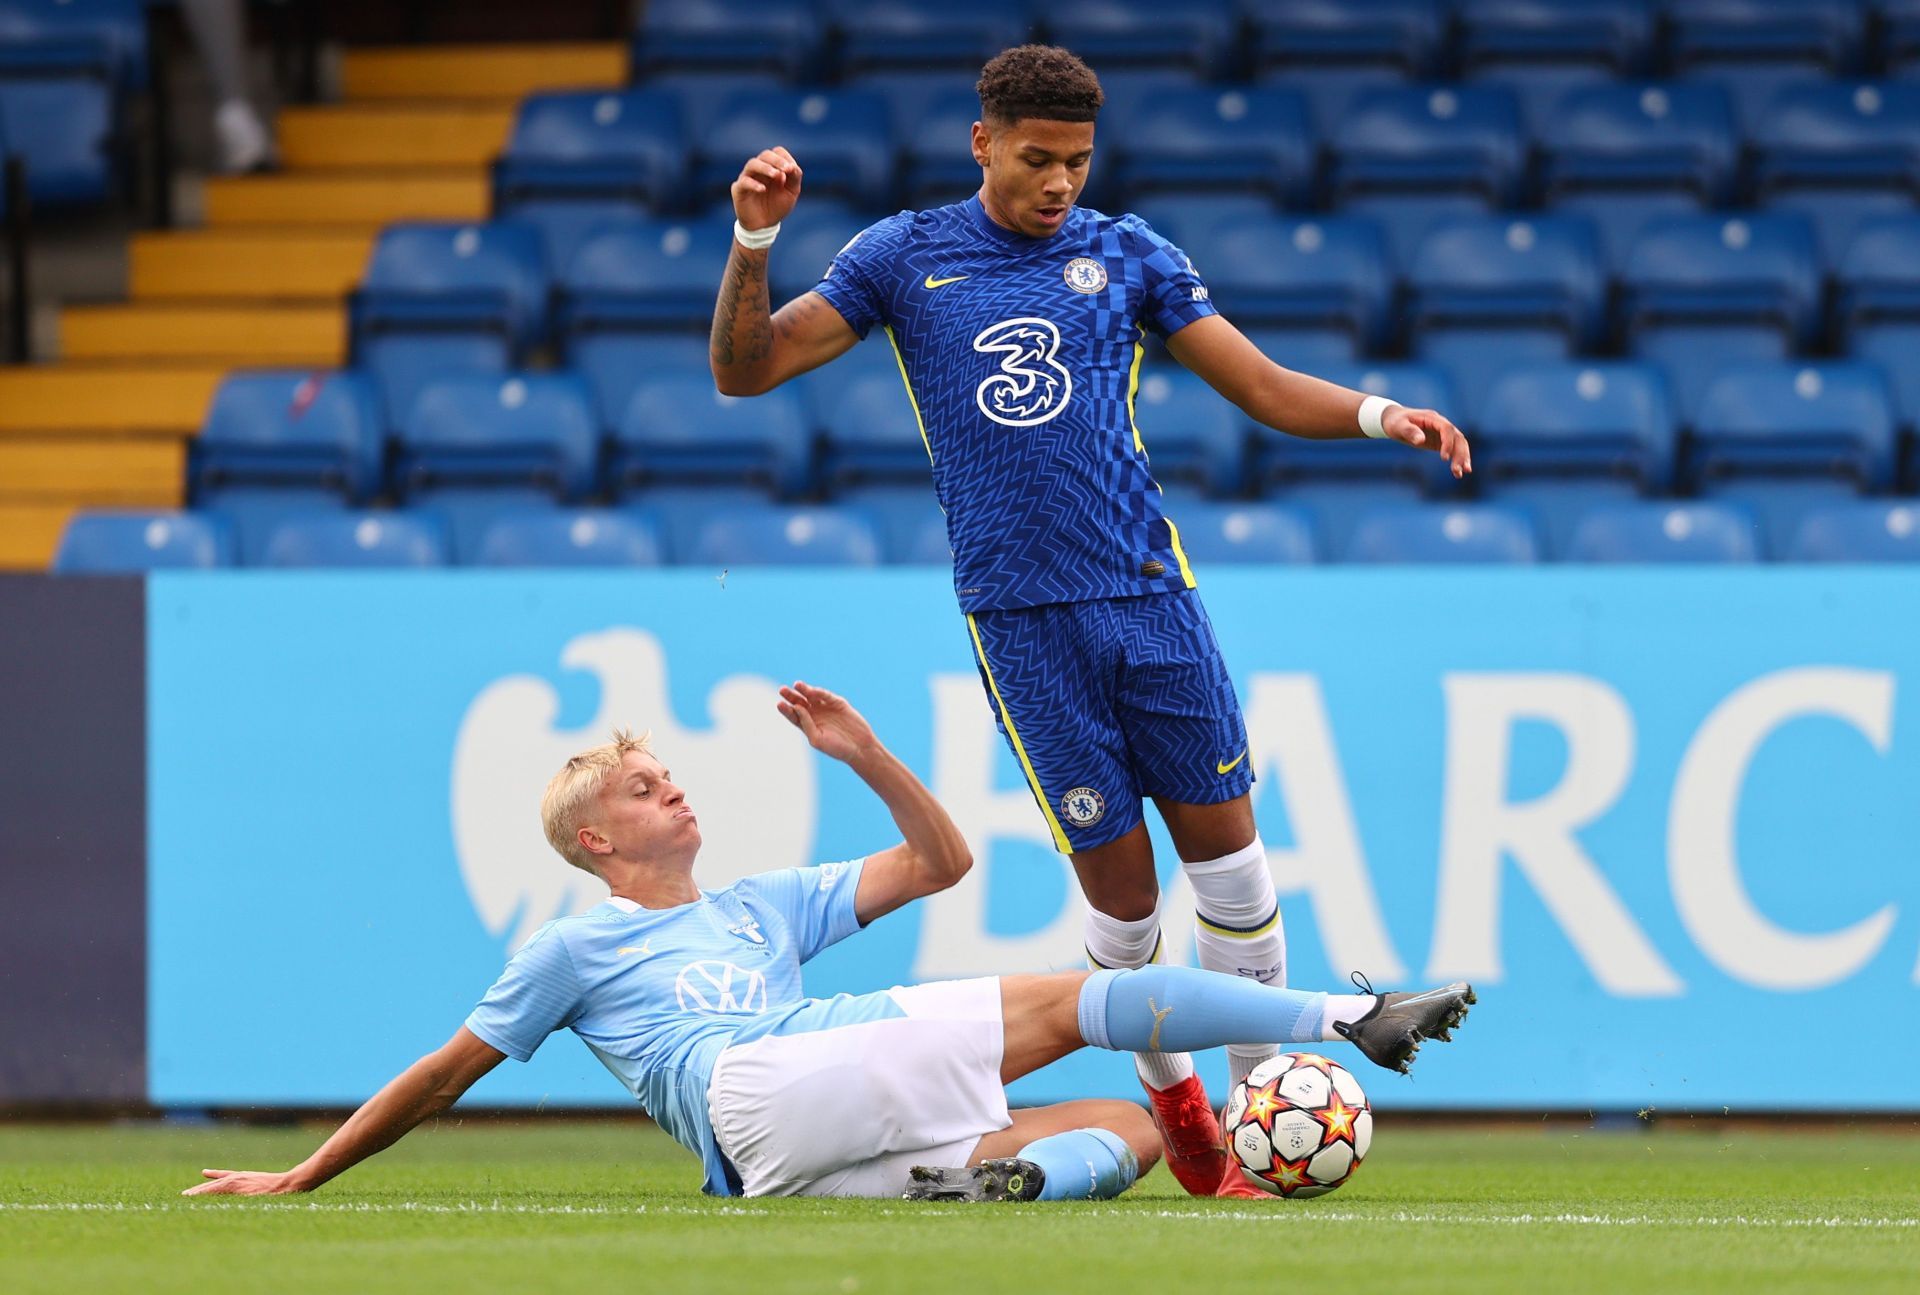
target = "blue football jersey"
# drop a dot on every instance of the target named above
(658, 993)
(1022, 356)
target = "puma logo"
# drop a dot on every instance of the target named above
(1159, 1018)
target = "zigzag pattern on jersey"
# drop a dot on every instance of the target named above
(1127, 696)
(1041, 507)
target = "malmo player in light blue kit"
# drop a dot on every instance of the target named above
(693, 1001)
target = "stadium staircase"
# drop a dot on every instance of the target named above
(263, 281)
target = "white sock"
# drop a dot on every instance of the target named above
(1344, 1009)
(1239, 931)
(1114, 943)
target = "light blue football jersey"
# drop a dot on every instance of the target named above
(1022, 358)
(658, 993)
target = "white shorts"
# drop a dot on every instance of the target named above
(847, 1111)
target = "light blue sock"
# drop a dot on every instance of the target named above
(1083, 1165)
(1179, 1009)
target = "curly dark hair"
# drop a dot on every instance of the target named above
(1041, 81)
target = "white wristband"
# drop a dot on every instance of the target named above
(1372, 410)
(755, 240)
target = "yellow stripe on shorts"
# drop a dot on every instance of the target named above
(1060, 841)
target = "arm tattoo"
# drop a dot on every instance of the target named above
(742, 330)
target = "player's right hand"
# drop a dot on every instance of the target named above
(767, 188)
(243, 1182)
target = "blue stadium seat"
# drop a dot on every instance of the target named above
(1900, 36)
(1864, 531)
(1665, 532)
(1540, 49)
(1303, 274)
(1563, 439)
(105, 38)
(1754, 47)
(278, 442)
(1608, 420)
(1840, 151)
(1434, 533)
(937, 159)
(1783, 438)
(1196, 34)
(784, 36)
(120, 543)
(1255, 139)
(870, 434)
(375, 539)
(1246, 533)
(1329, 50)
(438, 297)
(919, 34)
(1703, 291)
(570, 538)
(653, 274)
(1878, 304)
(1407, 156)
(809, 240)
(614, 361)
(1197, 220)
(1624, 154)
(579, 157)
(770, 536)
(63, 129)
(1335, 481)
(534, 432)
(1193, 435)
(911, 94)
(1491, 292)
(678, 430)
(843, 140)
(704, 96)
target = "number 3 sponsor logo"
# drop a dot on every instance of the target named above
(1030, 386)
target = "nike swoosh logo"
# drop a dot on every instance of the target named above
(1232, 764)
(941, 283)
(640, 949)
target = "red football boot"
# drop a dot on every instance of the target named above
(1190, 1134)
(1234, 1183)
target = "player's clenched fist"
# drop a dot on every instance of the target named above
(1426, 430)
(767, 188)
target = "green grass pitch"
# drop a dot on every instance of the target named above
(539, 1205)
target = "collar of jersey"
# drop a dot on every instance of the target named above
(629, 907)
(977, 213)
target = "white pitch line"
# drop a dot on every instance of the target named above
(1293, 1214)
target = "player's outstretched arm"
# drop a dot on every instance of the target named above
(419, 1092)
(1299, 404)
(752, 349)
(934, 854)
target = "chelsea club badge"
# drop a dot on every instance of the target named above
(1084, 274)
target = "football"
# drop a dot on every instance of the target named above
(1298, 1126)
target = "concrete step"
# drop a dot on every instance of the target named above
(356, 198)
(375, 135)
(142, 472)
(46, 400)
(239, 334)
(479, 72)
(29, 533)
(256, 264)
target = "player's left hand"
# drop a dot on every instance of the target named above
(831, 724)
(243, 1182)
(1425, 429)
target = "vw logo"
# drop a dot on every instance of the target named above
(720, 987)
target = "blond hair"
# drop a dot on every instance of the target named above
(571, 794)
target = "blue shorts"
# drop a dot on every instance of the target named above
(1107, 702)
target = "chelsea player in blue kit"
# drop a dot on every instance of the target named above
(1017, 319)
(692, 1000)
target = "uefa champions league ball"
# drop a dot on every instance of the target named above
(1298, 1126)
